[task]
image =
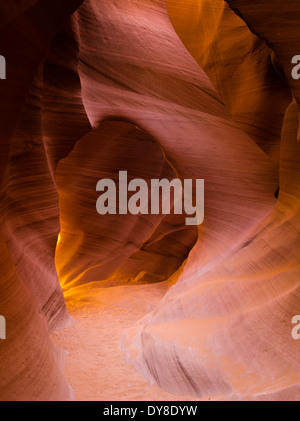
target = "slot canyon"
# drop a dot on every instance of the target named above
(144, 306)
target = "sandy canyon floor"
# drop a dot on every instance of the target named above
(95, 366)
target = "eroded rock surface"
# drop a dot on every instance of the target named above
(195, 89)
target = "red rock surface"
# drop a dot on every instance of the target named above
(195, 89)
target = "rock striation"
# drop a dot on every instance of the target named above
(161, 89)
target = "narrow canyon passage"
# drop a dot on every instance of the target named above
(200, 91)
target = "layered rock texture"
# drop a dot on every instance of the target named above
(193, 89)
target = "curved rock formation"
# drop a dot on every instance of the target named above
(115, 249)
(97, 87)
(277, 26)
(239, 64)
(31, 299)
(31, 367)
(239, 309)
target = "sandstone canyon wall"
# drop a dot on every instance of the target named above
(191, 89)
